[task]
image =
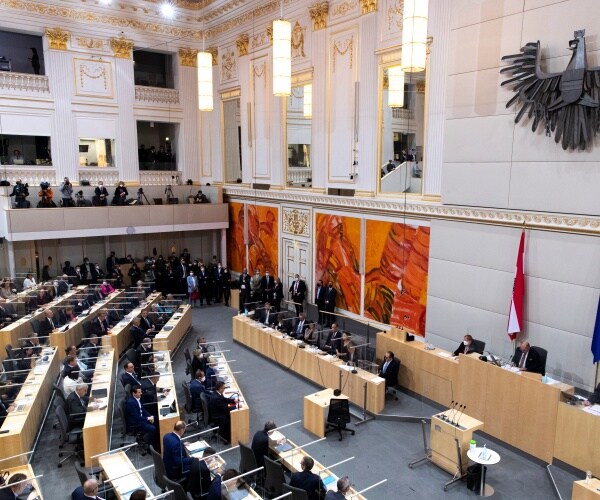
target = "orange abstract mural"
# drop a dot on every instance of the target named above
(337, 257)
(236, 250)
(396, 266)
(263, 239)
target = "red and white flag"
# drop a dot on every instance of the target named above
(515, 316)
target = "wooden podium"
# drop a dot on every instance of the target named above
(449, 442)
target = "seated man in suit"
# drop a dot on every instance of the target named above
(594, 398)
(48, 324)
(88, 491)
(77, 403)
(260, 443)
(334, 340)
(197, 387)
(307, 480)
(76, 370)
(145, 354)
(527, 359)
(467, 346)
(14, 487)
(99, 326)
(343, 486)
(139, 419)
(299, 326)
(266, 314)
(176, 458)
(137, 332)
(147, 324)
(90, 350)
(199, 480)
(219, 407)
(389, 369)
(129, 377)
(150, 394)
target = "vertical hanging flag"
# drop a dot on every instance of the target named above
(596, 336)
(515, 316)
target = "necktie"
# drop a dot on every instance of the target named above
(51, 323)
(466, 349)
(385, 366)
(523, 359)
(296, 288)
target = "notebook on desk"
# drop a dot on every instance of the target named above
(99, 393)
(328, 479)
(283, 447)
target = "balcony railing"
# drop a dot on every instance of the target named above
(403, 114)
(23, 83)
(156, 95)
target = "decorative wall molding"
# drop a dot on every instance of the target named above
(24, 83)
(121, 47)
(90, 43)
(29, 174)
(188, 57)
(156, 95)
(215, 55)
(57, 38)
(424, 210)
(93, 78)
(297, 40)
(228, 65)
(296, 222)
(242, 44)
(368, 6)
(342, 48)
(343, 8)
(318, 14)
(110, 176)
(158, 177)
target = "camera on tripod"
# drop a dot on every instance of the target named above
(140, 191)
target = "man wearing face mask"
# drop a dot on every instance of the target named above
(204, 285)
(267, 282)
(467, 346)
(244, 289)
(298, 294)
(330, 296)
(121, 194)
(100, 195)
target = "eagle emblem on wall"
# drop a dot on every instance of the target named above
(567, 104)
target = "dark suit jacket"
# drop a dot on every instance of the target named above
(219, 407)
(149, 397)
(76, 495)
(336, 342)
(45, 328)
(260, 447)
(330, 296)
(533, 362)
(263, 316)
(391, 374)
(461, 348)
(309, 482)
(128, 378)
(196, 389)
(334, 495)
(76, 409)
(138, 335)
(146, 323)
(199, 480)
(98, 327)
(300, 294)
(320, 297)
(175, 457)
(136, 416)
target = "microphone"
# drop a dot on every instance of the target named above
(457, 413)
(459, 417)
(445, 416)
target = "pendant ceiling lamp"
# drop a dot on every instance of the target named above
(414, 35)
(282, 57)
(395, 87)
(205, 81)
(307, 103)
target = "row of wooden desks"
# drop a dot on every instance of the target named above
(517, 408)
(122, 474)
(31, 404)
(168, 410)
(326, 370)
(174, 330)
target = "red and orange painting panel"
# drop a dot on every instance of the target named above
(236, 250)
(337, 241)
(263, 239)
(396, 266)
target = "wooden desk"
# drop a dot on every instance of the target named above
(76, 330)
(28, 471)
(120, 337)
(235, 299)
(166, 381)
(576, 440)
(175, 329)
(584, 491)
(316, 407)
(118, 465)
(36, 392)
(96, 429)
(291, 461)
(240, 418)
(326, 371)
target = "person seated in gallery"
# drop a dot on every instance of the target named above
(527, 359)
(100, 195)
(467, 346)
(121, 195)
(389, 369)
(201, 198)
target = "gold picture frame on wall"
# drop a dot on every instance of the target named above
(93, 78)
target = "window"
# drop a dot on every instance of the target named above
(153, 69)
(21, 53)
(157, 145)
(299, 131)
(232, 140)
(96, 152)
(25, 150)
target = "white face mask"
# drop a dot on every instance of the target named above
(466, 342)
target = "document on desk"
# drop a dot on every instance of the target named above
(594, 410)
(443, 354)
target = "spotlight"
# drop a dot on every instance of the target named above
(167, 10)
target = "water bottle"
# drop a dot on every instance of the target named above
(472, 444)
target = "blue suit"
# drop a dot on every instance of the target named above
(137, 419)
(175, 457)
(196, 389)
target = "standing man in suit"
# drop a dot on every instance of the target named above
(298, 294)
(245, 289)
(307, 480)
(217, 282)
(267, 283)
(137, 332)
(146, 323)
(175, 456)
(204, 285)
(256, 286)
(320, 301)
(219, 410)
(260, 443)
(527, 359)
(389, 369)
(77, 403)
(225, 286)
(330, 296)
(467, 346)
(111, 263)
(197, 387)
(138, 418)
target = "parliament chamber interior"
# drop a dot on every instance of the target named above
(299, 249)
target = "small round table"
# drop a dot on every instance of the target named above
(492, 459)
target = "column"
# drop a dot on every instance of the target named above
(224, 247)
(189, 131)
(10, 257)
(243, 62)
(126, 141)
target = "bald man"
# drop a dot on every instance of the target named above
(527, 359)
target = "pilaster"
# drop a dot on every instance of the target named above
(189, 134)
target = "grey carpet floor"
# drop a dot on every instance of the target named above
(381, 449)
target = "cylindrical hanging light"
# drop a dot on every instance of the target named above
(205, 81)
(414, 35)
(395, 87)
(282, 57)
(307, 103)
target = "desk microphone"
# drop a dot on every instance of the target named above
(462, 413)
(454, 420)
(454, 412)
(445, 416)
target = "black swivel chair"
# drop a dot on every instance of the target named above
(159, 469)
(9, 351)
(479, 346)
(543, 353)
(188, 363)
(297, 493)
(274, 478)
(338, 417)
(178, 492)
(189, 404)
(66, 436)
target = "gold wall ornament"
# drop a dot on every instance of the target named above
(342, 48)
(121, 47)
(242, 44)
(215, 54)
(386, 82)
(228, 65)
(368, 6)
(188, 57)
(298, 40)
(429, 43)
(421, 87)
(394, 13)
(57, 38)
(344, 8)
(90, 43)
(318, 13)
(296, 221)
(270, 33)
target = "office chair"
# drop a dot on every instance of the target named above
(189, 403)
(543, 355)
(74, 436)
(85, 474)
(247, 460)
(178, 492)
(338, 417)
(188, 363)
(274, 478)
(159, 469)
(297, 493)
(9, 351)
(479, 346)
(132, 355)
